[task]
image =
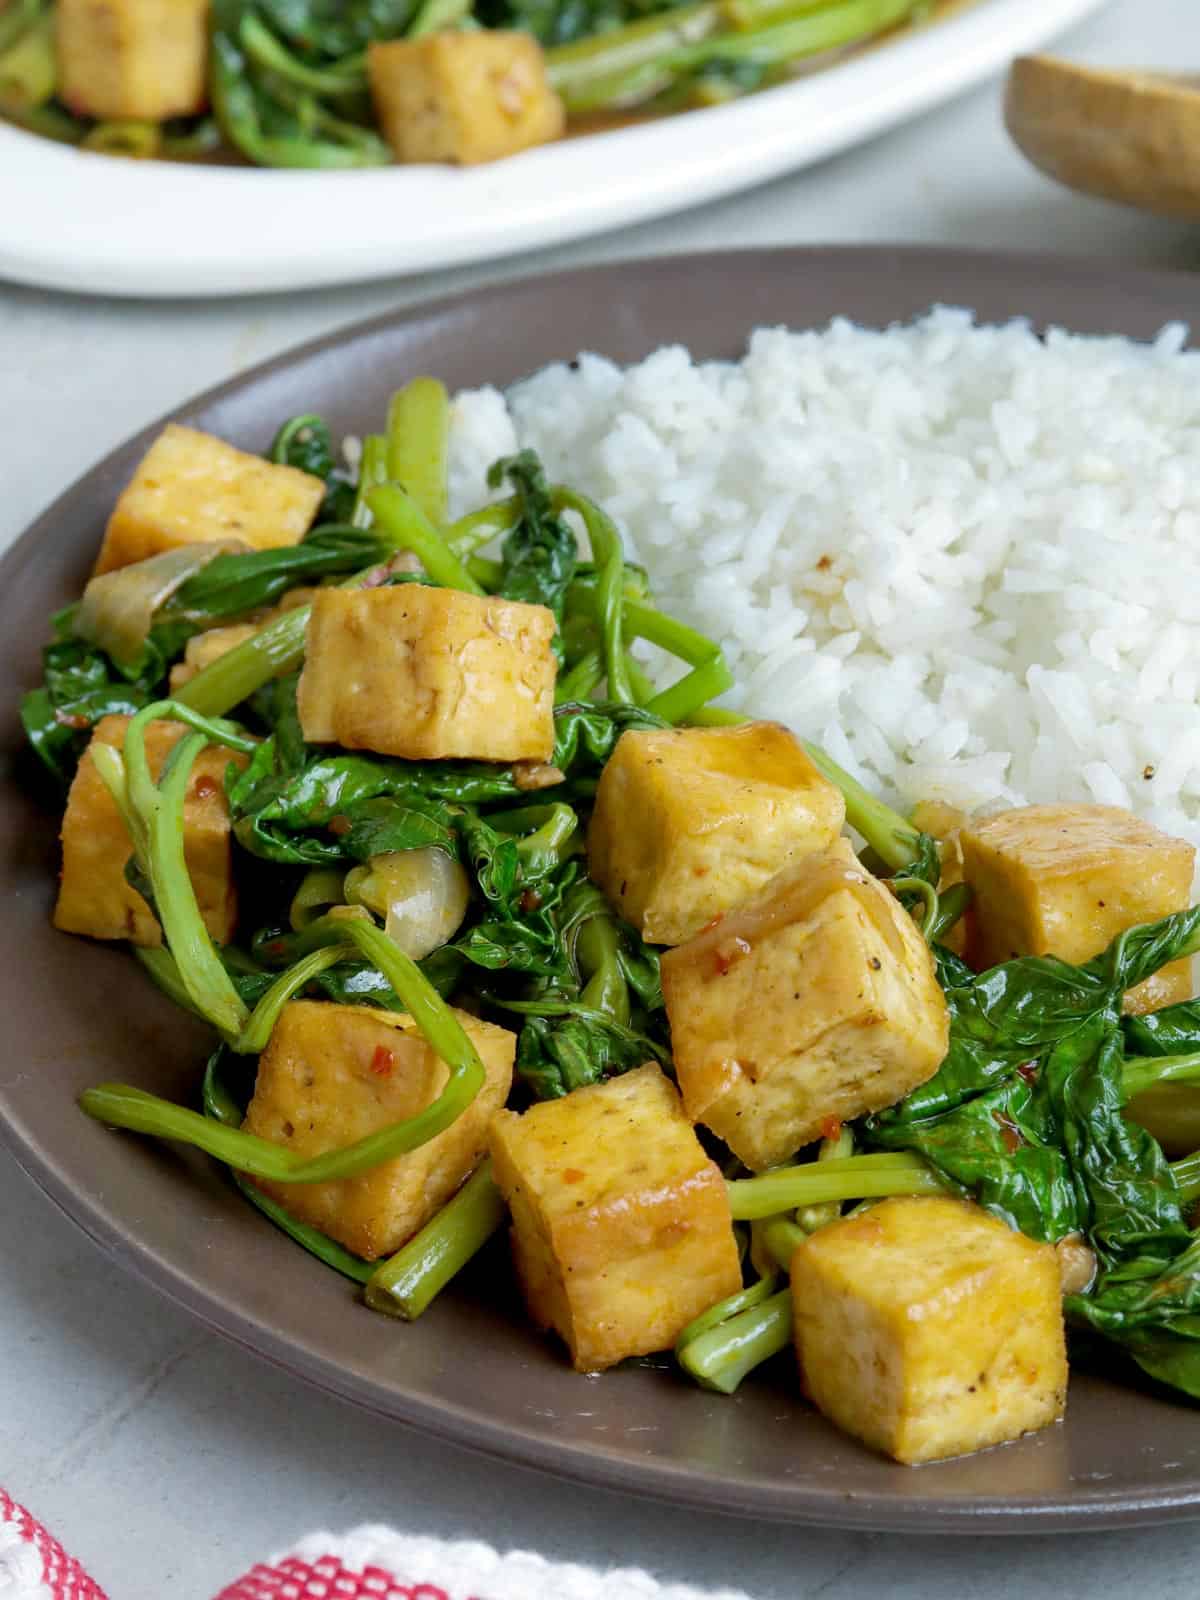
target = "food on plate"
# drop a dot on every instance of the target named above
(929, 1329)
(465, 97)
(132, 60)
(95, 895)
(532, 929)
(814, 1001)
(621, 1228)
(1065, 880)
(299, 83)
(190, 488)
(720, 811)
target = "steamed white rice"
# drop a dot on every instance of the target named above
(964, 559)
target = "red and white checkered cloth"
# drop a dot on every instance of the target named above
(369, 1564)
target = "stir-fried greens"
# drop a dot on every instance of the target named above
(496, 917)
(306, 83)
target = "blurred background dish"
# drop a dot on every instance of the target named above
(150, 228)
(1133, 137)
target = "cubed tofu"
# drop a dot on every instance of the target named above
(689, 822)
(621, 1225)
(191, 488)
(1065, 880)
(815, 1001)
(93, 895)
(929, 1329)
(429, 674)
(463, 97)
(333, 1074)
(137, 60)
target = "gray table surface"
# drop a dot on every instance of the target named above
(169, 1460)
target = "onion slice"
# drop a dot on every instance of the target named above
(422, 895)
(117, 609)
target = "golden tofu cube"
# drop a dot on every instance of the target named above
(927, 1328)
(464, 97)
(1065, 880)
(689, 822)
(191, 488)
(815, 1001)
(621, 1225)
(429, 674)
(137, 60)
(93, 895)
(333, 1074)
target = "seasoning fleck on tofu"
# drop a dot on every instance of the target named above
(690, 822)
(816, 1001)
(94, 896)
(927, 1328)
(463, 97)
(1065, 880)
(135, 60)
(621, 1226)
(429, 674)
(191, 488)
(333, 1074)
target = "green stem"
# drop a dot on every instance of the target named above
(401, 518)
(721, 1358)
(163, 971)
(1143, 1071)
(276, 648)
(17, 19)
(254, 1036)
(418, 428)
(437, 16)
(710, 676)
(778, 1238)
(952, 903)
(725, 1310)
(598, 950)
(571, 67)
(896, 842)
(582, 681)
(608, 553)
(811, 1217)
(866, 1177)
(263, 48)
(406, 1284)
(544, 850)
(137, 141)
(472, 532)
(372, 471)
(28, 72)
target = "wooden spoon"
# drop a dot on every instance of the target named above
(1127, 136)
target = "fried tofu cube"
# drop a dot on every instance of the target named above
(93, 895)
(333, 1074)
(689, 822)
(1065, 880)
(429, 674)
(815, 1001)
(191, 488)
(137, 60)
(927, 1328)
(463, 97)
(621, 1226)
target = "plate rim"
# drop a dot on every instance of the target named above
(685, 1484)
(540, 198)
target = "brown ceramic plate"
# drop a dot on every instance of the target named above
(472, 1370)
